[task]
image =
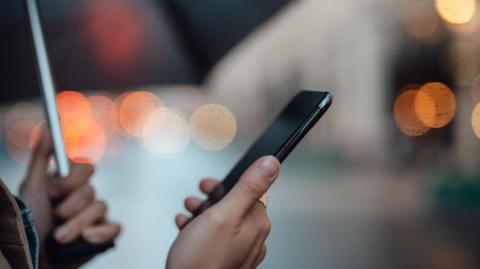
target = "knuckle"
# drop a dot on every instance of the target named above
(267, 226)
(60, 212)
(186, 202)
(118, 229)
(215, 219)
(88, 193)
(102, 205)
(89, 169)
(76, 226)
(264, 223)
(254, 188)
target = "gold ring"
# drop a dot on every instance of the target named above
(264, 200)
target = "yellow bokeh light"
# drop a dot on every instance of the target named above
(213, 127)
(476, 120)
(166, 132)
(404, 113)
(468, 28)
(435, 105)
(456, 11)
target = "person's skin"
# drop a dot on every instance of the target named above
(76, 213)
(232, 233)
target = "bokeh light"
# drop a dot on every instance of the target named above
(420, 21)
(166, 132)
(103, 112)
(213, 127)
(435, 105)
(22, 111)
(468, 28)
(85, 140)
(83, 120)
(35, 133)
(73, 105)
(18, 134)
(404, 113)
(133, 110)
(116, 113)
(456, 11)
(476, 120)
(18, 123)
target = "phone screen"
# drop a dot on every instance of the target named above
(300, 114)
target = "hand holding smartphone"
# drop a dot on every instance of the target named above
(280, 138)
(79, 248)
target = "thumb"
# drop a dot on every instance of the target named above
(40, 158)
(253, 184)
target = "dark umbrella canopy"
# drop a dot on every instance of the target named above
(103, 44)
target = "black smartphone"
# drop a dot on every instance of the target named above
(293, 123)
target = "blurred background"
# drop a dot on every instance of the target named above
(161, 93)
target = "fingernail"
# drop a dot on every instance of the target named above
(269, 167)
(61, 233)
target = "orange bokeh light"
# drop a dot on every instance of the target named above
(133, 110)
(85, 140)
(18, 134)
(22, 111)
(82, 119)
(103, 112)
(73, 105)
(34, 133)
(404, 113)
(435, 105)
(18, 123)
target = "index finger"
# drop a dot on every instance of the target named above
(40, 158)
(79, 176)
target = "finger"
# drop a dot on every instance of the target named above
(40, 158)
(102, 233)
(79, 175)
(192, 203)
(258, 217)
(75, 202)
(254, 183)
(74, 227)
(261, 256)
(207, 185)
(181, 220)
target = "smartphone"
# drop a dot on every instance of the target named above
(280, 138)
(79, 249)
(47, 88)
